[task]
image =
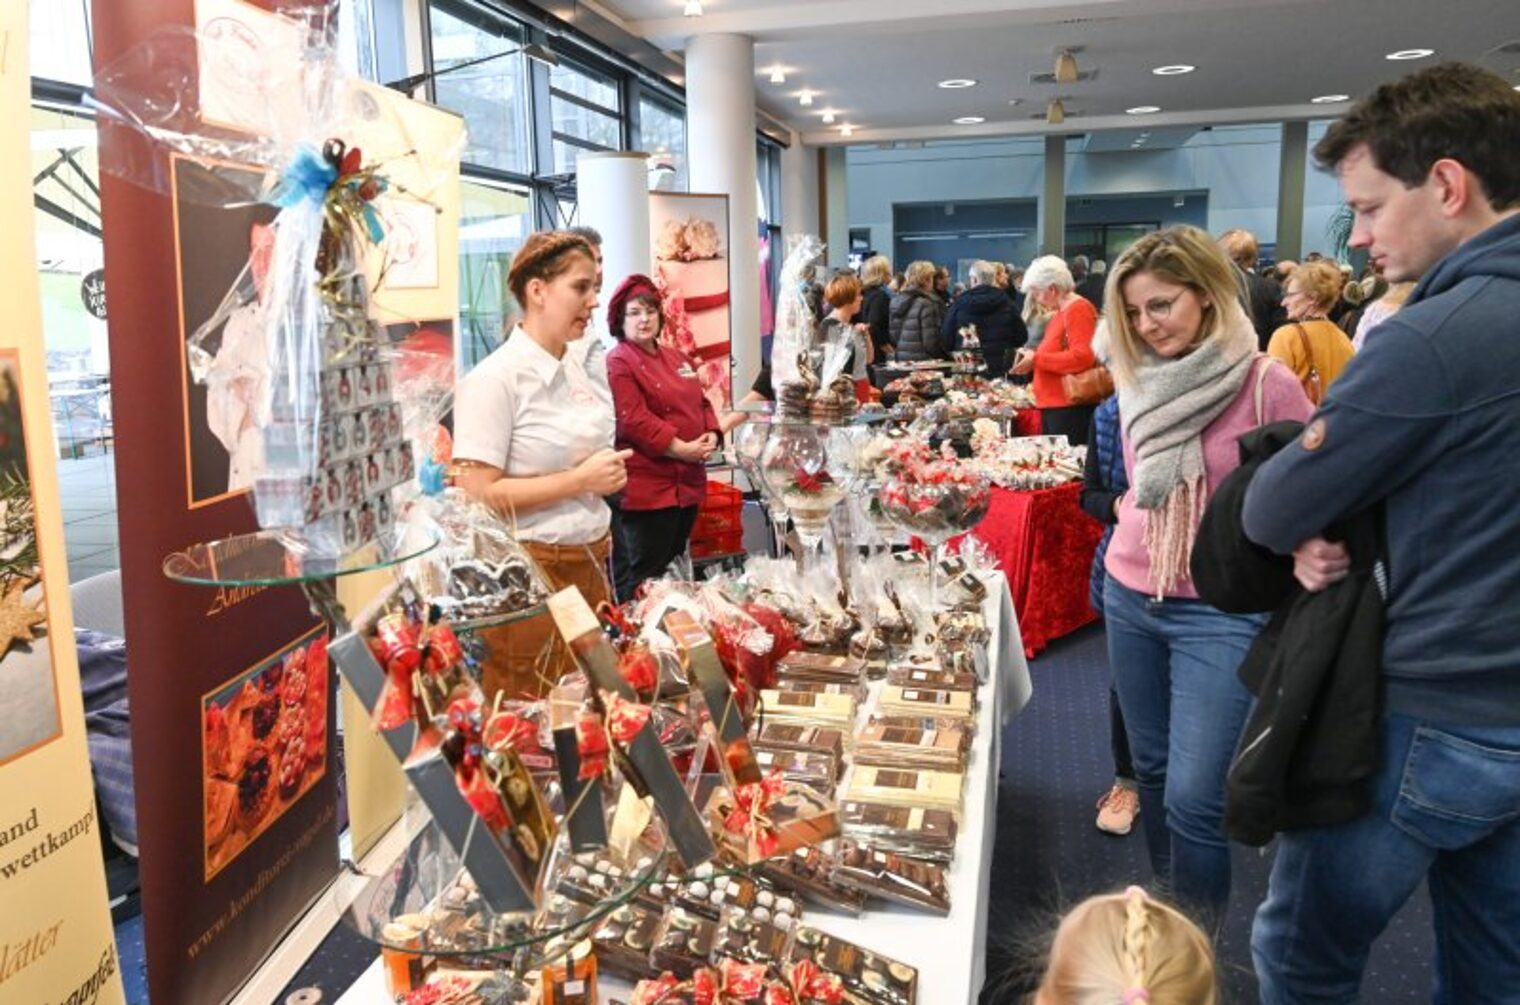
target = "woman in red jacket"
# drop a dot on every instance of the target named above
(1065, 348)
(666, 420)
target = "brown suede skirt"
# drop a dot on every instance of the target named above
(526, 658)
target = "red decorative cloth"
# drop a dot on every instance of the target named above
(1026, 422)
(1044, 543)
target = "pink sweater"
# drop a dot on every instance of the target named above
(1282, 398)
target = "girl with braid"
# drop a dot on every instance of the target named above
(1127, 949)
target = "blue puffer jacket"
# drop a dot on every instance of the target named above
(1103, 481)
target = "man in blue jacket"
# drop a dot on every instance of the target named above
(1425, 422)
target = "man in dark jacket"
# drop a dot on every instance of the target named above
(1260, 296)
(1426, 422)
(1091, 286)
(985, 305)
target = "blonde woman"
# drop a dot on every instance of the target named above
(876, 303)
(1310, 343)
(916, 316)
(1128, 949)
(1187, 371)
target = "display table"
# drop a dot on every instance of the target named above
(950, 952)
(1044, 543)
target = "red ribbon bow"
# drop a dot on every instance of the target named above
(594, 736)
(395, 646)
(810, 983)
(748, 817)
(469, 774)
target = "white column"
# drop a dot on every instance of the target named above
(836, 198)
(612, 195)
(720, 139)
(799, 191)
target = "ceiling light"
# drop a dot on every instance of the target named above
(1145, 135)
(1173, 70)
(1410, 54)
(828, 116)
(1055, 112)
(1517, 87)
(1329, 99)
(778, 75)
(969, 120)
(806, 97)
(1143, 110)
(1066, 67)
(846, 130)
(956, 83)
(1015, 101)
(693, 8)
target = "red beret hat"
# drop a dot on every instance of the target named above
(634, 285)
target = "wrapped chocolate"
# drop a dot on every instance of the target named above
(757, 822)
(478, 575)
(818, 771)
(807, 873)
(893, 877)
(822, 667)
(868, 978)
(683, 942)
(804, 738)
(624, 939)
(911, 747)
(743, 936)
(897, 787)
(837, 710)
(897, 699)
(910, 676)
(723, 710)
(908, 830)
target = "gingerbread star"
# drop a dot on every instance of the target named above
(18, 616)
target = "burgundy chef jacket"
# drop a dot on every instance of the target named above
(657, 399)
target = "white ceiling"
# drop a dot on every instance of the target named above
(876, 62)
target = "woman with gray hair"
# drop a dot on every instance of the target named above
(1065, 348)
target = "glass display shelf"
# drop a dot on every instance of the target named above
(278, 558)
(425, 902)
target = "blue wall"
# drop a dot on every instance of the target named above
(1235, 167)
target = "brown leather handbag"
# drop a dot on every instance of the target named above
(1313, 386)
(1088, 387)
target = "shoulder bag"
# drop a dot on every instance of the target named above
(1313, 386)
(1089, 386)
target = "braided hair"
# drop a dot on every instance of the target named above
(544, 255)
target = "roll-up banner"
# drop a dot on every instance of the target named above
(56, 943)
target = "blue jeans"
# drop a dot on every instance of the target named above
(1174, 664)
(1445, 806)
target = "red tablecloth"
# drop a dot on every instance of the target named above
(1044, 543)
(1026, 422)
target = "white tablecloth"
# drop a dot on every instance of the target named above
(951, 952)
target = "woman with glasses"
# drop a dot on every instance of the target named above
(1064, 348)
(1310, 343)
(667, 422)
(1190, 381)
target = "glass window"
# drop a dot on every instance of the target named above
(59, 36)
(662, 135)
(494, 220)
(584, 111)
(491, 96)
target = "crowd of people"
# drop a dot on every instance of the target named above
(1259, 416)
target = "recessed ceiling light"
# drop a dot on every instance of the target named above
(846, 130)
(1173, 70)
(778, 75)
(1410, 54)
(1142, 110)
(1015, 101)
(806, 97)
(693, 8)
(1517, 87)
(1329, 99)
(956, 83)
(828, 116)
(970, 120)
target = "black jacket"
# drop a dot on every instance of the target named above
(998, 326)
(916, 317)
(1091, 287)
(875, 303)
(1310, 746)
(1262, 299)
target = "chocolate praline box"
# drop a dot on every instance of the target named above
(910, 830)
(893, 877)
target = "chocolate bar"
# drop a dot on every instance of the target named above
(961, 727)
(868, 977)
(805, 686)
(821, 667)
(896, 698)
(806, 873)
(937, 676)
(908, 830)
(711, 895)
(797, 706)
(816, 770)
(701, 657)
(898, 787)
(910, 747)
(806, 739)
(891, 876)
(800, 817)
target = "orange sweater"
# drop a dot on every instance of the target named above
(1074, 325)
(1331, 348)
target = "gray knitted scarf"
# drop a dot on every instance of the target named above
(1165, 410)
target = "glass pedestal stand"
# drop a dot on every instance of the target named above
(456, 885)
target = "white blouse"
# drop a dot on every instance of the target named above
(530, 414)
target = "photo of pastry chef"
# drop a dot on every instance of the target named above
(533, 434)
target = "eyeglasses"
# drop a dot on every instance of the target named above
(1158, 310)
(640, 312)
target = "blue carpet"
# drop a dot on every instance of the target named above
(1049, 856)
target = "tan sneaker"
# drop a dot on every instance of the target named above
(1117, 809)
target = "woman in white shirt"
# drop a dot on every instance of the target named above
(533, 439)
